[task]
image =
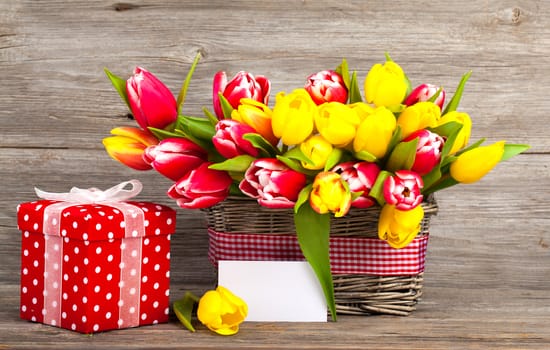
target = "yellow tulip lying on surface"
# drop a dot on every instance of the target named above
(222, 311)
(219, 310)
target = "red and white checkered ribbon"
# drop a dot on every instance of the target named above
(348, 255)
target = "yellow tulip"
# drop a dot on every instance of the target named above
(258, 116)
(293, 116)
(472, 165)
(418, 116)
(375, 132)
(221, 311)
(464, 135)
(399, 227)
(386, 85)
(317, 149)
(362, 109)
(128, 146)
(337, 123)
(330, 193)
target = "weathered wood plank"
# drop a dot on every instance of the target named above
(54, 49)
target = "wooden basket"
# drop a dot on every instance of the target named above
(355, 293)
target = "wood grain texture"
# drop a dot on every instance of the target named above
(487, 281)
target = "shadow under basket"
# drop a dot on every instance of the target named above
(369, 276)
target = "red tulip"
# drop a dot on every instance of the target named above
(273, 183)
(428, 151)
(423, 93)
(151, 102)
(201, 188)
(243, 85)
(174, 157)
(327, 86)
(360, 177)
(403, 190)
(229, 141)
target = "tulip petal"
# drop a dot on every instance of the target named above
(221, 311)
(472, 165)
(218, 86)
(399, 227)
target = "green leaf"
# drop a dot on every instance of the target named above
(366, 156)
(512, 149)
(162, 134)
(377, 190)
(211, 117)
(200, 128)
(447, 129)
(432, 177)
(236, 164)
(444, 182)
(183, 309)
(119, 85)
(450, 131)
(395, 139)
(354, 90)
(472, 146)
(409, 86)
(297, 154)
(187, 81)
(296, 165)
(343, 70)
(234, 190)
(453, 104)
(402, 156)
(447, 160)
(313, 233)
(355, 195)
(259, 142)
(435, 96)
(227, 108)
(303, 197)
(333, 158)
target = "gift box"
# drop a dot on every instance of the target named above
(95, 265)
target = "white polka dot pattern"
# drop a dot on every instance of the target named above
(90, 277)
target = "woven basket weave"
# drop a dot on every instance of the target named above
(355, 294)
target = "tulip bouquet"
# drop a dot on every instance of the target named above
(321, 149)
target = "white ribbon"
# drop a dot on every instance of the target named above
(93, 195)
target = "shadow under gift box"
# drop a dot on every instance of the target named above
(95, 267)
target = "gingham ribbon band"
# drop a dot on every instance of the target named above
(348, 255)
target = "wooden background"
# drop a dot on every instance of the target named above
(487, 282)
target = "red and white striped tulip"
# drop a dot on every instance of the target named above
(327, 86)
(175, 157)
(425, 92)
(242, 85)
(403, 190)
(272, 183)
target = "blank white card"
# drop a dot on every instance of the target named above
(275, 291)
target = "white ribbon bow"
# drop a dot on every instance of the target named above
(93, 195)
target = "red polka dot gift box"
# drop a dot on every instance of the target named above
(92, 261)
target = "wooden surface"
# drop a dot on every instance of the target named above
(487, 281)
